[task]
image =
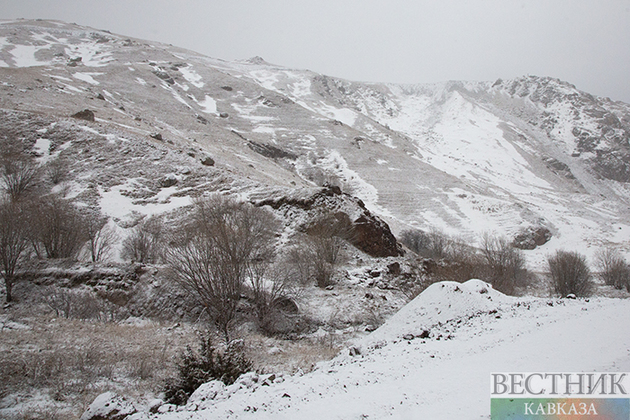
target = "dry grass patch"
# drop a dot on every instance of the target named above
(61, 365)
(271, 355)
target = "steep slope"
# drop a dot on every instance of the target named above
(510, 155)
(465, 157)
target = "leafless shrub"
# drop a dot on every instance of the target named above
(13, 242)
(613, 268)
(225, 243)
(267, 286)
(433, 244)
(298, 263)
(326, 241)
(453, 259)
(458, 262)
(58, 227)
(569, 273)
(273, 297)
(100, 238)
(57, 171)
(416, 240)
(145, 243)
(459, 271)
(19, 174)
(372, 315)
(506, 264)
(81, 304)
(439, 246)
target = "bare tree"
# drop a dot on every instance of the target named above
(145, 243)
(57, 170)
(226, 243)
(506, 264)
(268, 283)
(13, 242)
(569, 273)
(433, 244)
(298, 262)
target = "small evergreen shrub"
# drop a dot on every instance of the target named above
(210, 363)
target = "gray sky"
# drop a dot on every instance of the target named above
(585, 42)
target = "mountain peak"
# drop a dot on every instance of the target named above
(539, 89)
(257, 60)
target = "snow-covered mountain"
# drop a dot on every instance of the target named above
(465, 157)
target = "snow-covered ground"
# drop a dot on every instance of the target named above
(432, 360)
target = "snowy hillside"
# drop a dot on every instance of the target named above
(464, 157)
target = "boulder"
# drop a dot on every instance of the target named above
(164, 76)
(532, 237)
(394, 268)
(207, 161)
(168, 181)
(86, 115)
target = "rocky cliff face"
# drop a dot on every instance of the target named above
(597, 129)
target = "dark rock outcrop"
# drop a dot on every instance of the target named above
(531, 237)
(374, 237)
(164, 76)
(86, 115)
(207, 161)
(370, 234)
(270, 151)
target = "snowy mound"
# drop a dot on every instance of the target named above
(439, 303)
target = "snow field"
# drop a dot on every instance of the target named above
(403, 372)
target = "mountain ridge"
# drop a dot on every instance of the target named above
(465, 157)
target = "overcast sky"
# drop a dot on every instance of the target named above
(585, 42)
